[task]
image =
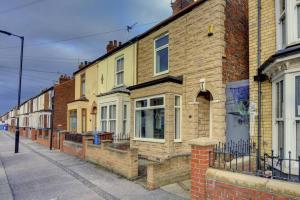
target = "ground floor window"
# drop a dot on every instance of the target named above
(150, 118)
(73, 120)
(286, 107)
(177, 117)
(108, 118)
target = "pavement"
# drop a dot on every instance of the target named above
(37, 173)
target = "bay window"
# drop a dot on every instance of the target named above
(108, 118)
(73, 120)
(103, 119)
(286, 117)
(150, 118)
(280, 116)
(125, 119)
(161, 55)
(112, 118)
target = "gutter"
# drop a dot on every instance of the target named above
(259, 74)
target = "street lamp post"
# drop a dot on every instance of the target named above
(20, 86)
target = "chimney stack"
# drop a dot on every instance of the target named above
(179, 5)
(112, 45)
(83, 64)
(63, 78)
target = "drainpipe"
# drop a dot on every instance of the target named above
(259, 84)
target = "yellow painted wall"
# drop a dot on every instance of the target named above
(95, 86)
(107, 68)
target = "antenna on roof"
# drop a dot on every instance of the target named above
(129, 28)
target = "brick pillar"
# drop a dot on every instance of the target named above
(85, 141)
(62, 139)
(199, 165)
(33, 134)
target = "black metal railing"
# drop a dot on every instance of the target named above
(120, 138)
(73, 137)
(241, 157)
(279, 167)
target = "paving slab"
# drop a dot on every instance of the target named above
(38, 173)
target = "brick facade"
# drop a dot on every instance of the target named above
(64, 93)
(235, 62)
(196, 55)
(268, 48)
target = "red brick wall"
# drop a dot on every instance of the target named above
(236, 62)
(64, 93)
(42, 140)
(199, 166)
(217, 190)
(71, 149)
(205, 186)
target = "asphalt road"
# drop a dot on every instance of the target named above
(39, 174)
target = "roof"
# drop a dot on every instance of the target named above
(119, 90)
(145, 34)
(167, 79)
(288, 51)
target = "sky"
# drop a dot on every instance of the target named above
(59, 34)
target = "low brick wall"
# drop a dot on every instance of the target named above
(73, 148)
(228, 185)
(44, 140)
(168, 171)
(33, 134)
(213, 184)
(123, 162)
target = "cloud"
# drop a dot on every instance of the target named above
(52, 20)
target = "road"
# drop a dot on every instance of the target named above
(37, 173)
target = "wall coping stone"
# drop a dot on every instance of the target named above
(204, 141)
(254, 182)
(72, 143)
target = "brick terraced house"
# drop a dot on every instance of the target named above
(101, 97)
(183, 66)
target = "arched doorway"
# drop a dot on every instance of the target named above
(94, 116)
(204, 114)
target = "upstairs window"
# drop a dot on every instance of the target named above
(120, 71)
(282, 20)
(288, 21)
(82, 85)
(161, 55)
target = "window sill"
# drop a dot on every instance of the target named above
(150, 140)
(160, 73)
(178, 141)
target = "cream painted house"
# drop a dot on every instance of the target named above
(81, 112)
(116, 73)
(101, 98)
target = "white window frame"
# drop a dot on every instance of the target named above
(112, 119)
(103, 120)
(291, 23)
(125, 119)
(180, 108)
(108, 119)
(158, 49)
(289, 115)
(119, 72)
(146, 108)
